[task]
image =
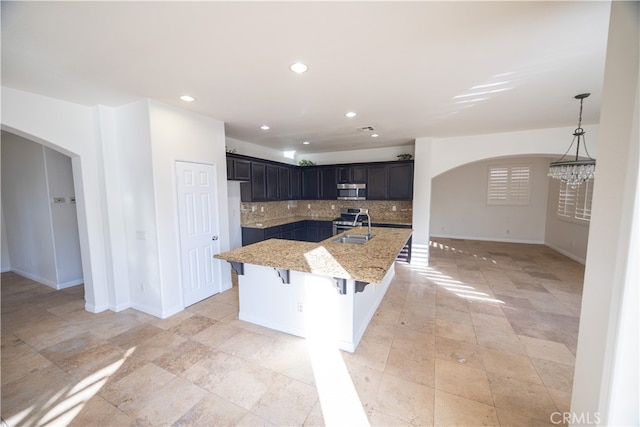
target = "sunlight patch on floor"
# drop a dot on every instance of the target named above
(67, 403)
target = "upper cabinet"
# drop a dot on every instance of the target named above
(271, 181)
(348, 174)
(238, 169)
(400, 181)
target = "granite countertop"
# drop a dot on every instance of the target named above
(282, 221)
(289, 220)
(368, 262)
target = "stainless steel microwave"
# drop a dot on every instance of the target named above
(352, 191)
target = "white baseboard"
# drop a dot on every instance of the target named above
(488, 239)
(567, 254)
(47, 282)
(95, 308)
(35, 278)
(71, 283)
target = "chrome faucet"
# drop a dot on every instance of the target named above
(364, 212)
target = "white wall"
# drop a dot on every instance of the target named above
(64, 219)
(459, 208)
(606, 372)
(41, 236)
(568, 237)
(135, 171)
(70, 129)
(123, 162)
(5, 260)
(235, 223)
(253, 150)
(357, 156)
(177, 134)
(25, 201)
(436, 156)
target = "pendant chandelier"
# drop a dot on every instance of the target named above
(574, 172)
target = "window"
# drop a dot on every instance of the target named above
(575, 202)
(508, 185)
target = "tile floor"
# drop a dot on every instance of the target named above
(484, 336)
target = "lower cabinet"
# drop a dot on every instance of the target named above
(303, 231)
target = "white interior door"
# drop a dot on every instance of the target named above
(197, 200)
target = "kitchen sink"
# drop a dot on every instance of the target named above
(358, 239)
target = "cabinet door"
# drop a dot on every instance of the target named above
(343, 174)
(377, 182)
(310, 183)
(400, 181)
(284, 183)
(241, 170)
(272, 182)
(252, 235)
(325, 230)
(230, 173)
(295, 177)
(328, 183)
(300, 231)
(359, 174)
(258, 181)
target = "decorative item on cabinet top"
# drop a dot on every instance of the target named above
(405, 156)
(305, 162)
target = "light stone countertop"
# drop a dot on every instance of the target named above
(290, 220)
(368, 262)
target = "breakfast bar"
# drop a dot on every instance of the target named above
(328, 290)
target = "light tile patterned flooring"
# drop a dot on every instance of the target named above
(484, 336)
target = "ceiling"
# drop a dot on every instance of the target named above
(408, 69)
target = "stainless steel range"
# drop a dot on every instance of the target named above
(349, 218)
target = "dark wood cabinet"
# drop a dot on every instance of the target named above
(264, 180)
(347, 174)
(328, 190)
(377, 182)
(300, 231)
(400, 178)
(258, 181)
(309, 231)
(284, 183)
(318, 231)
(238, 169)
(310, 183)
(295, 180)
(272, 173)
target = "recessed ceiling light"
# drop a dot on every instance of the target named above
(187, 98)
(374, 135)
(306, 143)
(299, 67)
(350, 114)
(265, 127)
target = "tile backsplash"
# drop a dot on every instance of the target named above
(324, 209)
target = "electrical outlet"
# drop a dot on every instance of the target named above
(253, 208)
(333, 207)
(393, 208)
(309, 206)
(261, 208)
(300, 307)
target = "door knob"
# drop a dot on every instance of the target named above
(214, 238)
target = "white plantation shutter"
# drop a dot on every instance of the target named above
(508, 185)
(583, 200)
(575, 202)
(519, 184)
(566, 200)
(498, 184)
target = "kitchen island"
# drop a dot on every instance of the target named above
(323, 290)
